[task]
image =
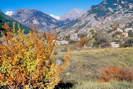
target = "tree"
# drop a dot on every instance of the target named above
(27, 61)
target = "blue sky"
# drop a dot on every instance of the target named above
(56, 7)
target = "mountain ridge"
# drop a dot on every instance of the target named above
(38, 18)
(99, 13)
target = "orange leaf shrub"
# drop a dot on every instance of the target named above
(117, 73)
(51, 36)
(83, 41)
(6, 27)
(27, 61)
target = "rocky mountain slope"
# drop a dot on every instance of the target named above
(37, 18)
(107, 10)
(103, 16)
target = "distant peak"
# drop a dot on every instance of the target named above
(73, 14)
(54, 16)
(76, 10)
(9, 13)
(23, 9)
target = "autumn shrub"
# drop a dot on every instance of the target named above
(6, 27)
(27, 61)
(117, 73)
(83, 41)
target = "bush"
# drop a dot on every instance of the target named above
(83, 41)
(27, 61)
(130, 33)
(102, 39)
(117, 73)
(128, 43)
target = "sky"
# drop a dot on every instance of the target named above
(54, 7)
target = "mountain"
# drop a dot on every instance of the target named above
(105, 16)
(4, 19)
(9, 13)
(69, 18)
(106, 11)
(43, 21)
(37, 18)
(73, 14)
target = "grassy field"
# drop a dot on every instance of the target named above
(86, 65)
(109, 85)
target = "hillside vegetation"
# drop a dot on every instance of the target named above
(4, 19)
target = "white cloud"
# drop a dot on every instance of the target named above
(54, 16)
(9, 13)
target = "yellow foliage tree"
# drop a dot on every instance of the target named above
(27, 61)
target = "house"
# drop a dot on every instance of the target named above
(63, 42)
(115, 45)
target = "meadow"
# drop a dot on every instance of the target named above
(87, 65)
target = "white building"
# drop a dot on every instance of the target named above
(115, 45)
(63, 42)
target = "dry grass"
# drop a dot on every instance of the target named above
(86, 64)
(110, 85)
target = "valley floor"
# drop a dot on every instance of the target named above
(86, 66)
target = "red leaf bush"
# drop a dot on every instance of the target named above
(116, 73)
